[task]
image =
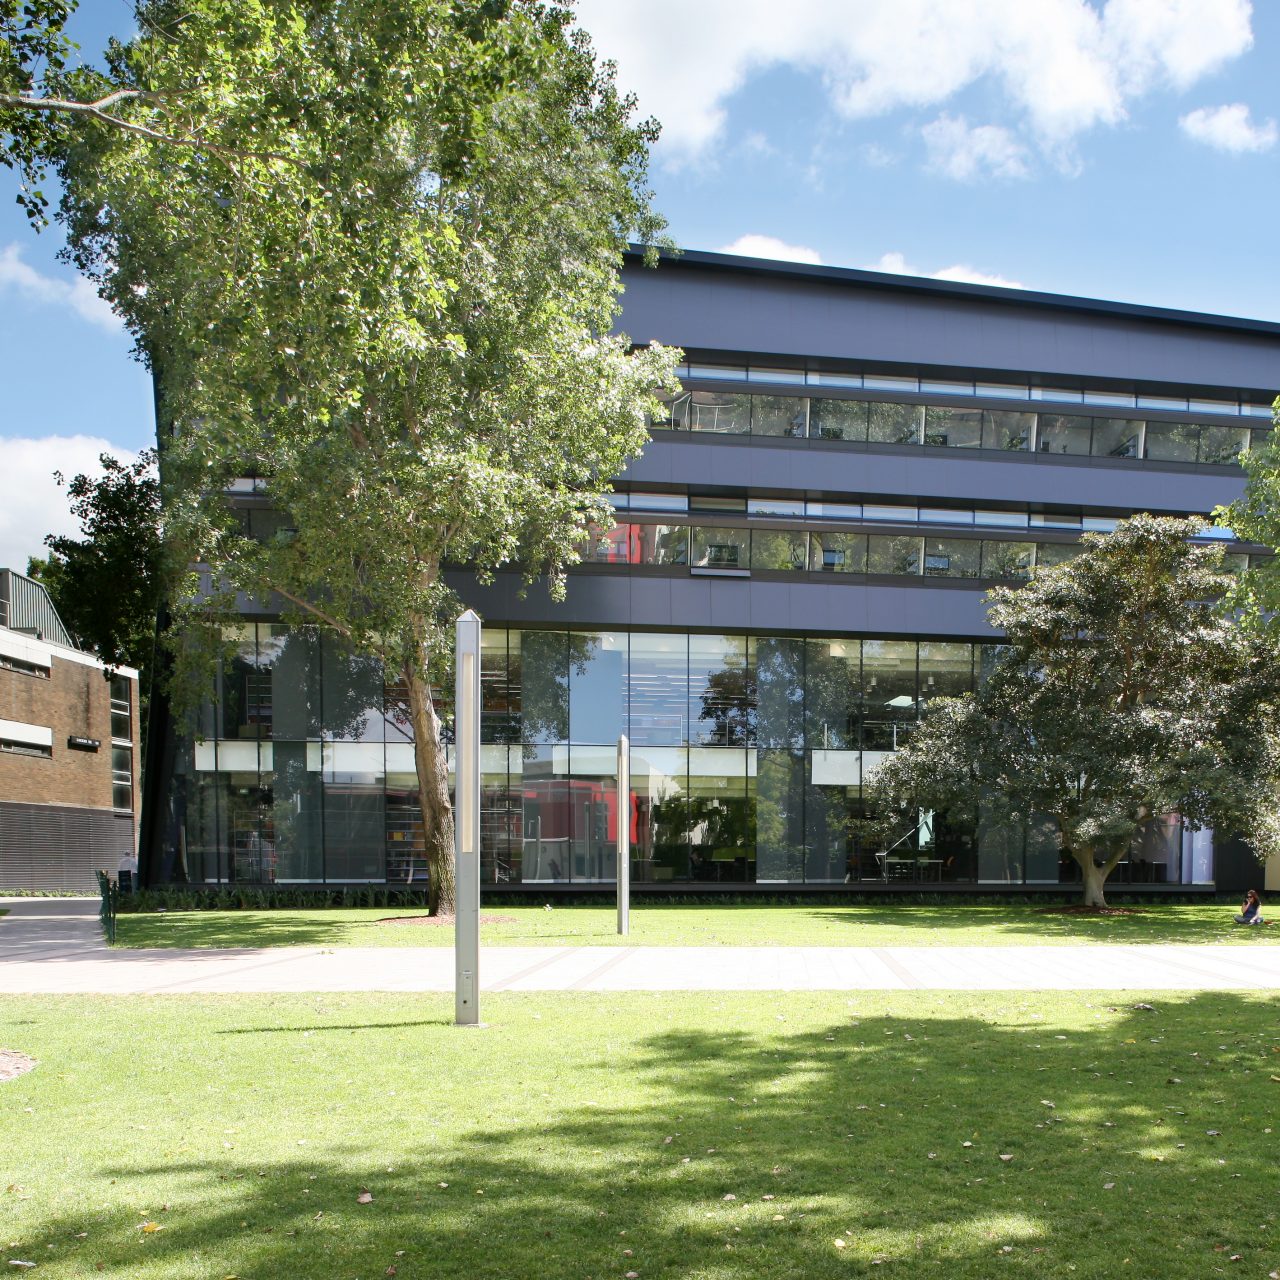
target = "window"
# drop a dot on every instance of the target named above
(9, 663)
(121, 777)
(1007, 429)
(12, 748)
(721, 549)
(1059, 433)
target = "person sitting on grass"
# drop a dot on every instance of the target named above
(1250, 912)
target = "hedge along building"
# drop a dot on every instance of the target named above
(798, 567)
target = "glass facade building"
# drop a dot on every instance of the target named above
(797, 568)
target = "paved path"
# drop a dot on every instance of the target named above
(53, 945)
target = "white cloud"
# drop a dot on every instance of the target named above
(754, 246)
(78, 294)
(33, 503)
(896, 264)
(1060, 66)
(1229, 129)
(966, 153)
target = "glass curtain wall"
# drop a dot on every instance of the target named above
(748, 760)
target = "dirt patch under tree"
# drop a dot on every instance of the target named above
(14, 1064)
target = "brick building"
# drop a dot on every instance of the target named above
(68, 750)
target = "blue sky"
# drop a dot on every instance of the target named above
(1123, 150)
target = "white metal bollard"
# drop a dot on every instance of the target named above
(624, 835)
(466, 821)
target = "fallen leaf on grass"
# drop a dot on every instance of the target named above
(1006, 1158)
(364, 1197)
(150, 1228)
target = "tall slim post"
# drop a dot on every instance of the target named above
(466, 821)
(624, 835)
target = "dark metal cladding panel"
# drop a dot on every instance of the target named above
(764, 606)
(674, 459)
(805, 314)
(58, 847)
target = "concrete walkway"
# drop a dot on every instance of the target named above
(54, 946)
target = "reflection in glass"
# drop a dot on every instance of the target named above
(660, 544)
(1172, 441)
(779, 415)
(953, 428)
(721, 548)
(719, 411)
(354, 812)
(1007, 429)
(779, 817)
(838, 420)
(833, 693)
(896, 423)
(544, 686)
(946, 669)
(501, 814)
(721, 818)
(352, 694)
(597, 685)
(838, 552)
(1222, 445)
(297, 800)
(609, 546)
(1049, 554)
(1116, 438)
(658, 689)
(594, 800)
(552, 815)
(889, 684)
(778, 662)
(244, 693)
(499, 699)
(779, 549)
(659, 779)
(1061, 433)
(289, 658)
(722, 694)
(900, 555)
(951, 558)
(1007, 559)
(832, 852)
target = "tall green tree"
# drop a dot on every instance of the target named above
(1125, 693)
(381, 279)
(1256, 517)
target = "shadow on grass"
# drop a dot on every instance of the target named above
(231, 929)
(726, 1153)
(1149, 923)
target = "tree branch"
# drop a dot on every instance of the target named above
(308, 607)
(95, 111)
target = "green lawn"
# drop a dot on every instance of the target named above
(699, 925)
(716, 1137)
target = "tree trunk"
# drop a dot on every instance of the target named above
(433, 791)
(1095, 879)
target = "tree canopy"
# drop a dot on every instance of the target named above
(106, 585)
(370, 252)
(1125, 693)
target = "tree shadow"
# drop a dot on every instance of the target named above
(1149, 923)
(970, 1134)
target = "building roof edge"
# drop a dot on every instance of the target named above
(956, 289)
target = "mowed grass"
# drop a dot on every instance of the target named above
(701, 925)
(709, 1137)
